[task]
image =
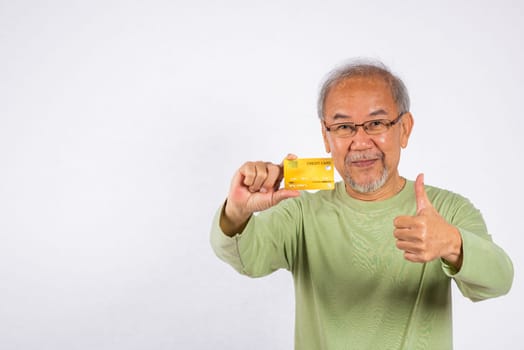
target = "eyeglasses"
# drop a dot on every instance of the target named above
(371, 127)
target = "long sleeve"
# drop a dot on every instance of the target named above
(268, 242)
(225, 247)
(486, 272)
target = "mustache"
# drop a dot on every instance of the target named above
(364, 155)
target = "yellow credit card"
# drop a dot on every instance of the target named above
(309, 174)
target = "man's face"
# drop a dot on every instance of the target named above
(367, 163)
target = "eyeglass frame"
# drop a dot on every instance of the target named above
(389, 124)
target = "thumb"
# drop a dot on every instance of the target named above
(420, 194)
(290, 156)
(280, 195)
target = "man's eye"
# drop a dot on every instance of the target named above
(376, 124)
(344, 127)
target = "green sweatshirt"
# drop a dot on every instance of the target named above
(353, 287)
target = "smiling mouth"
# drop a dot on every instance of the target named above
(364, 159)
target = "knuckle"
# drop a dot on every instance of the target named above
(426, 256)
(248, 169)
(419, 222)
(261, 167)
(396, 221)
(396, 234)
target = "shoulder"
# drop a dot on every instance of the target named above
(453, 206)
(440, 197)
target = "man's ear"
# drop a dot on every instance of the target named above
(324, 136)
(406, 125)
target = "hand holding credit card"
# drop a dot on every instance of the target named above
(309, 174)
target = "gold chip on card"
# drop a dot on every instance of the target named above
(309, 174)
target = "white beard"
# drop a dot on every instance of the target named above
(368, 187)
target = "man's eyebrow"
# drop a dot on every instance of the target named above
(341, 116)
(378, 112)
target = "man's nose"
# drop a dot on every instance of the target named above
(361, 140)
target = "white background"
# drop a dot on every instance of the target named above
(121, 123)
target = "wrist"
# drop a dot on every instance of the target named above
(232, 220)
(454, 257)
(234, 213)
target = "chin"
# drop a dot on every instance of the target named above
(367, 185)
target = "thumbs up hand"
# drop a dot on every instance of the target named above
(427, 235)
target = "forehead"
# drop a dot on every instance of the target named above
(354, 85)
(360, 94)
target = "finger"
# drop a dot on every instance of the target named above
(401, 234)
(405, 234)
(261, 176)
(406, 246)
(413, 257)
(410, 251)
(252, 171)
(403, 221)
(249, 172)
(272, 181)
(420, 194)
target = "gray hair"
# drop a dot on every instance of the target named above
(365, 68)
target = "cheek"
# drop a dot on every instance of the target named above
(387, 143)
(391, 149)
(339, 150)
(380, 139)
(339, 146)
